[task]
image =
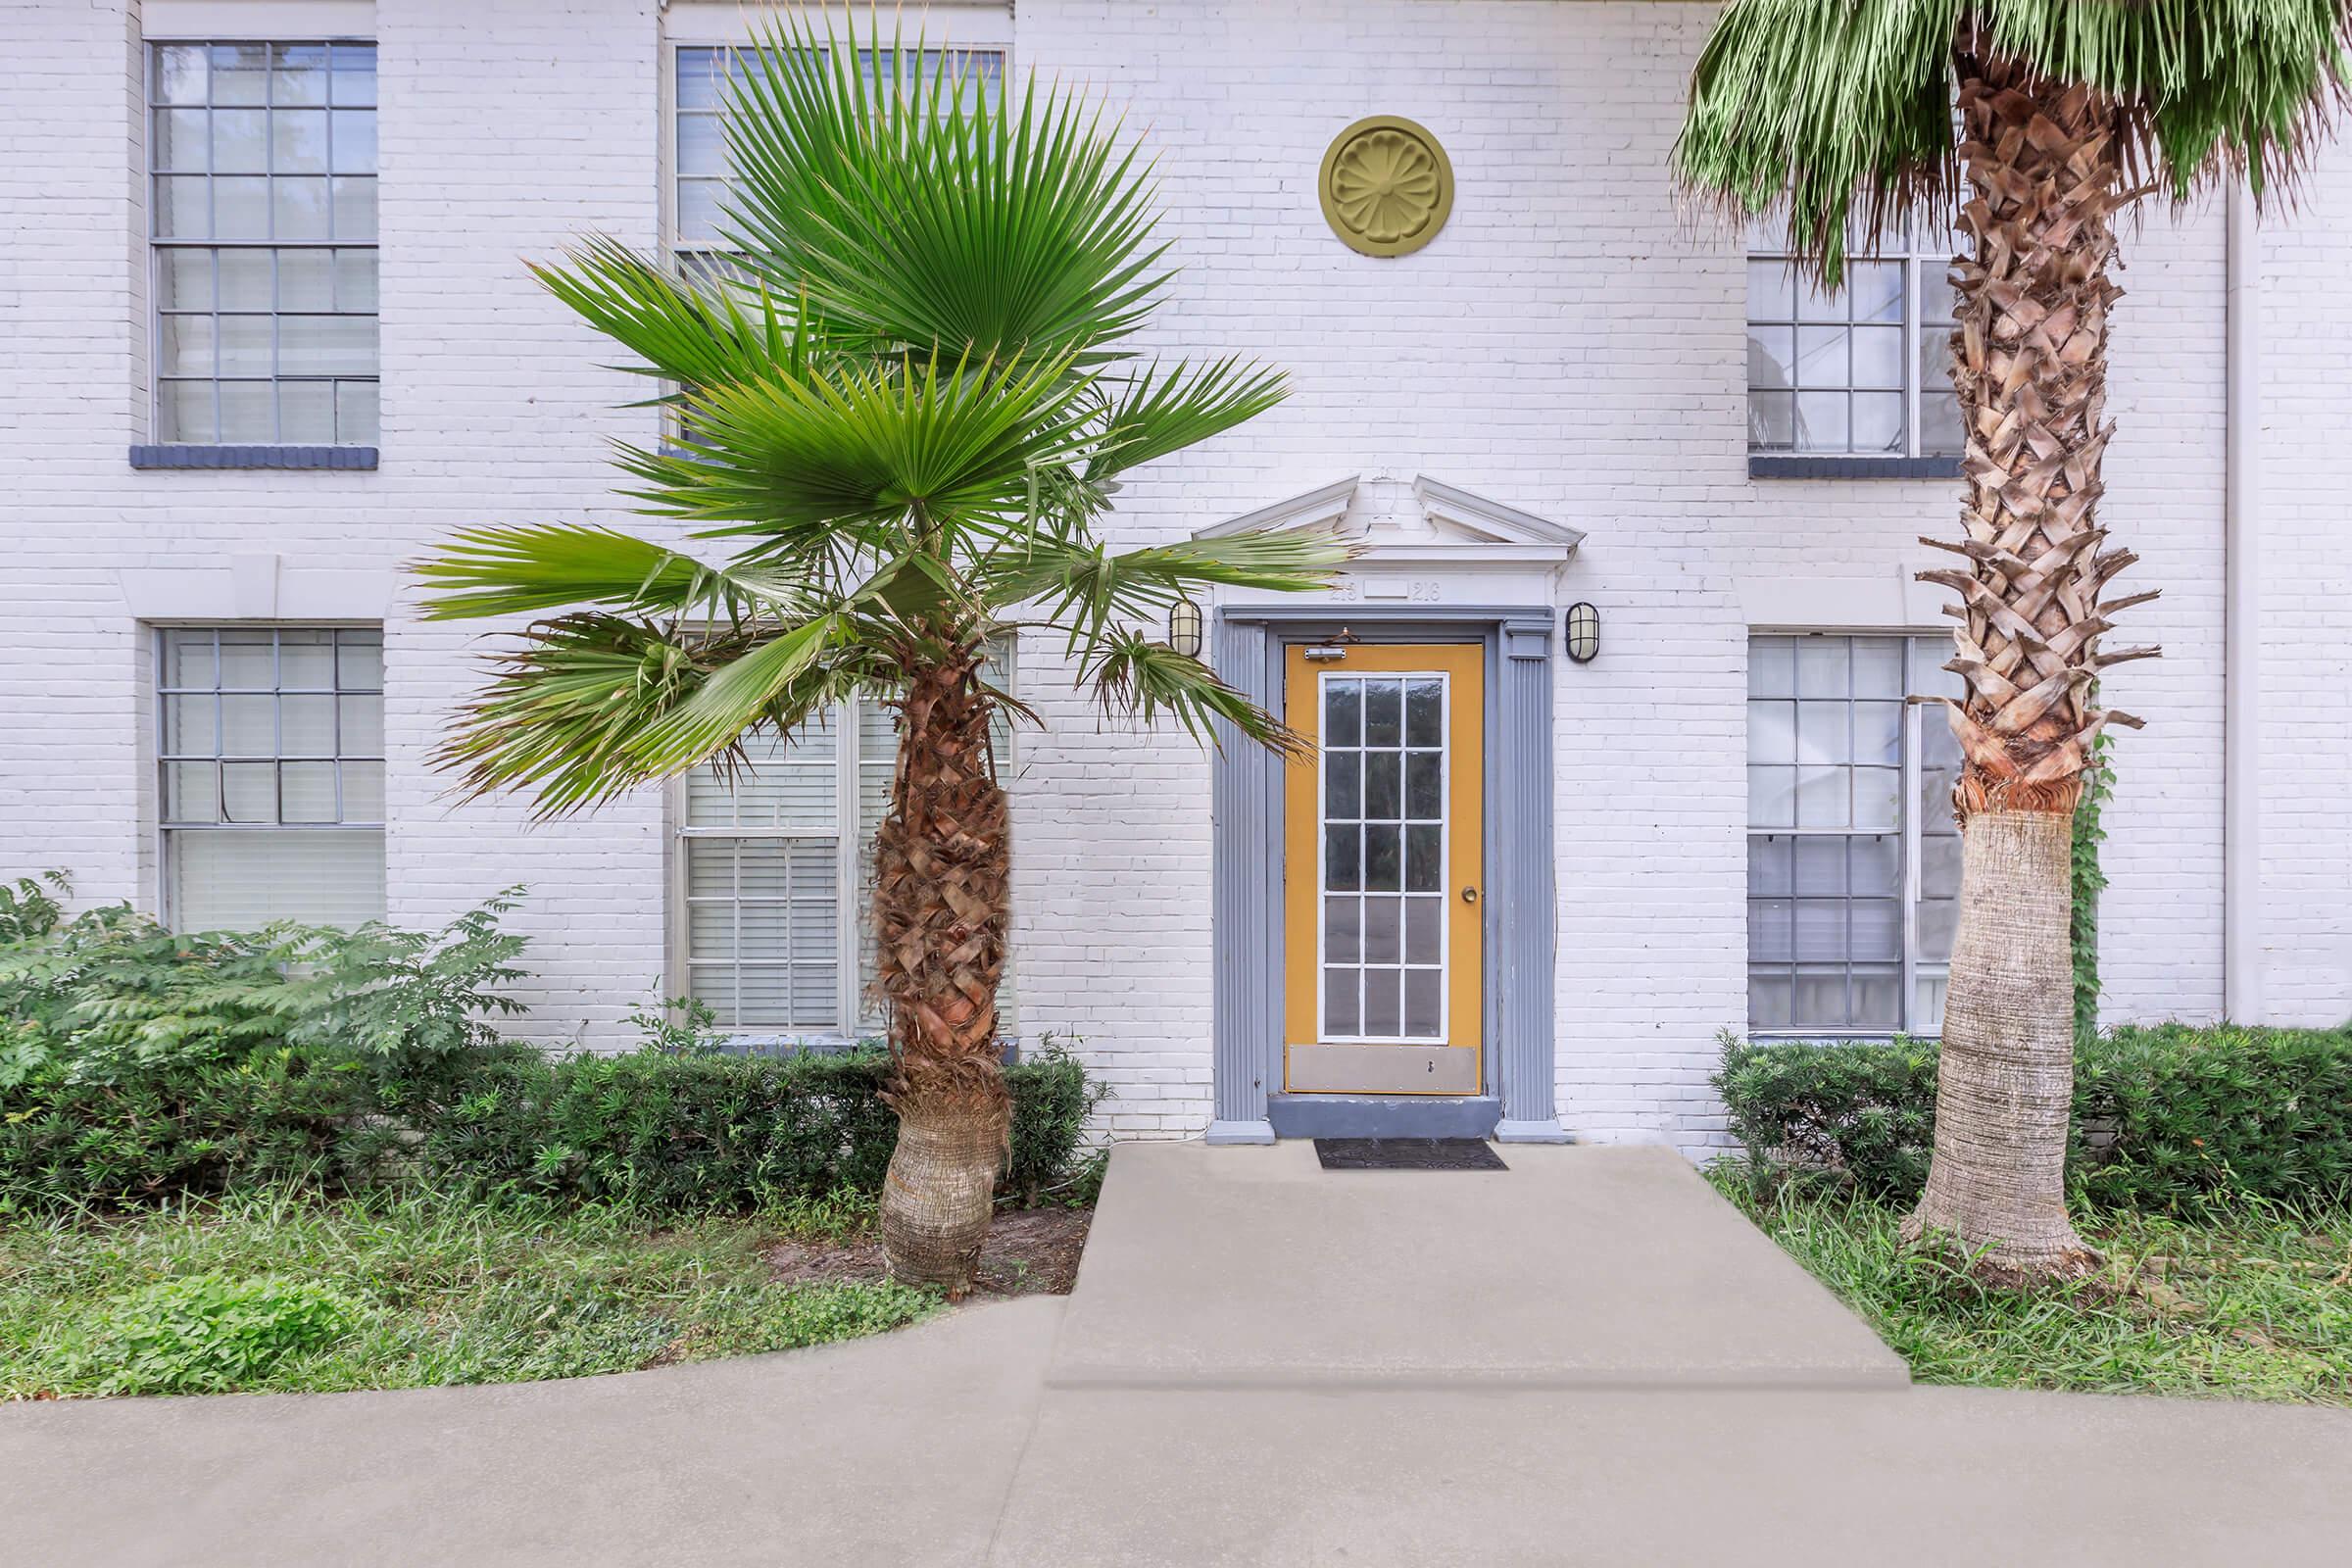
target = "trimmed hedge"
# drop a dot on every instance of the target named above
(721, 1132)
(658, 1131)
(2166, 1119)
(140, 1063)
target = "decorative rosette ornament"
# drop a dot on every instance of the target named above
(1387, 186)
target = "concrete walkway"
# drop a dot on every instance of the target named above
(1577, 1268)
(1026, 1434)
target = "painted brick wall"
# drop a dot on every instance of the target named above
(1570, 345)
(2306, 590)
(494, 410)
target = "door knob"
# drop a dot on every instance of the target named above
(1469, 894)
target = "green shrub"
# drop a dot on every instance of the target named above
(207, 1333)
(684, 1132)
(1861, 1109)
(137, 1063)
(2165, 1118)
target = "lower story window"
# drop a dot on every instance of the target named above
(1854, 861)
(776, 867)
(271, 757)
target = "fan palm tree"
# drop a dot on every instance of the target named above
(904, 403)
(2037, 122)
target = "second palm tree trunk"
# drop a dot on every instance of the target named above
(941, 860)
(2029, 365)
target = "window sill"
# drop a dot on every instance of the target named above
(785, 1043)
(1799, 465)
(1837, 1037)
(251, 456)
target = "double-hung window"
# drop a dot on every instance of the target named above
(1854, 861)
(1860, 371)
(774, 870)
(271, 757)
(261, 205)
(699, 154)
(775, 873)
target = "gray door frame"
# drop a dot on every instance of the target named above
(1520, 1099)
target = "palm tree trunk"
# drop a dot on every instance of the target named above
(941, 861)
(2030, 365)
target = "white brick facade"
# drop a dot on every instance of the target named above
(1570, 345)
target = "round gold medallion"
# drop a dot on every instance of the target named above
(1387, 186)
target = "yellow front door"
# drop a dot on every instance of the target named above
(1383, 869)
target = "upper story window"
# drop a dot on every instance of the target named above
(271, 757)
(698, 157)
(775, 866)
(1854, 861)
(261, 162)
(1860, 371)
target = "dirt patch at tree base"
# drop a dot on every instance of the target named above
(1030, 1252)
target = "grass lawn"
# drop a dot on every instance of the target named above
(2255, 1305)
(281, 1293)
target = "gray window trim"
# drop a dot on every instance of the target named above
(1795, 465)
(1914, 259)
(1520, 1102)
(158, 825)
(191, 456)
(158, 245)
(1909, 831)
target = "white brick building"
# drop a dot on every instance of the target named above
(1566, 356)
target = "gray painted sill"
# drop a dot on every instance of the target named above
(183, 455)
(1785, 466)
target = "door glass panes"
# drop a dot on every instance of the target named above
(271, 775)
(1383, 792)
(1852, 889)
(262, 179)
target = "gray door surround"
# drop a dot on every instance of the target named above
(1519, 1104)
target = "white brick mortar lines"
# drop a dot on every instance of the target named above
(1568, 345)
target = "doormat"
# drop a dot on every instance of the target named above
(1407, 1154)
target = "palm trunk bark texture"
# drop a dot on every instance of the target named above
(942, 862)
(2043, 164)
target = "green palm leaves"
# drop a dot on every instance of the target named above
(1845, 107)
(902, 398)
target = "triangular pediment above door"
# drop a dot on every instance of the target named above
(1418, 536)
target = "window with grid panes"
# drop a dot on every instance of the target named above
(699, 151)
(261, 211)
(1863, 370)
(271, 773)
(1854, 861)
(777, 867)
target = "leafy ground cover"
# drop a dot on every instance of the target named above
(280, 1290)
(2250, 1302)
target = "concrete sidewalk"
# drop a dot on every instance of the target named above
(1577, 1268)
(999, 1435)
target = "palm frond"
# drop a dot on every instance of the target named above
(905, 395)
(1157, 413)
(563, 710)
(694, 333)
(524, 570)
(923, 212)
(1082, 587)
(866, 450)
(1130, 674)
(1844, 108)
(754, 687)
